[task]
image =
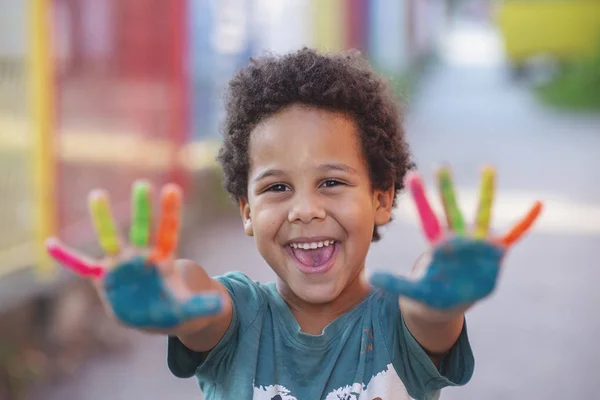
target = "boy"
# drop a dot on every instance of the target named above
(314, 154)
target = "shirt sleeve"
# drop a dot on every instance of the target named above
(422, 379)
(247, 299)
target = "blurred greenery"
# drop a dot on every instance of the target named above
(575, 87)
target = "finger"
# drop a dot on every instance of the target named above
(104, 222)
(521, 227)
(486, 199)
(69, 259)
(141, 214)
(399, 286)
(454, 217)
(169, 222)
(429, 222)
(202, 306)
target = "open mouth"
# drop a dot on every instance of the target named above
(314, 257)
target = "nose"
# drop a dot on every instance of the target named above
(305, 208)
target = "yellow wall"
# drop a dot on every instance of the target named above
(564, 28)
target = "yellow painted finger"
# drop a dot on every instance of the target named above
(454, 216)
(104, 223)
(486, 200)
(167, 235)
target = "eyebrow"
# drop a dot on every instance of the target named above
(322, 168)
(336, 167)
(267, 173)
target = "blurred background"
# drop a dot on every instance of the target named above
(100, 93)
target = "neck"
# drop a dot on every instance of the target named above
(313, 318)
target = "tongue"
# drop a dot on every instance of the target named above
(314, 257)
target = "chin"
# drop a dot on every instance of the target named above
(322, 293)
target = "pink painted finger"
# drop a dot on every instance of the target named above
(429, 222)
(72, 261)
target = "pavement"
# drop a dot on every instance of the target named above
(536, 337)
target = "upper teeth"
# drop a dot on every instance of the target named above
(313, 245)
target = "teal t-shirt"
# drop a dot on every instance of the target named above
(365, 354)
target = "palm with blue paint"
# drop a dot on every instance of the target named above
(464, 264)
(141, 285)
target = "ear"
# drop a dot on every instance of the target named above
(383, 201)
(246, 217)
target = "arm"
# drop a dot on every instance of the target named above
(140, 284)
(461, 269)
(435, 331)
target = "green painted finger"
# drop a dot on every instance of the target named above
(104, 223)
(141, 214)
(486, 199)
(454, 217)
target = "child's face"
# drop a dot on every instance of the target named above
(309, 187)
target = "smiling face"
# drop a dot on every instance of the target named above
(310, 204)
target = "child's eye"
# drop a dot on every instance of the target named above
(331, 183)
(278, 187)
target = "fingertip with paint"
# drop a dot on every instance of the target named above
(97, 195)
(53, 248)
(413, 178)
(488, 168)
(172, 191)
(443, 171)
(141, 184)
(51, 242)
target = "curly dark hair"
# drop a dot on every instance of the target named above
(341, 82)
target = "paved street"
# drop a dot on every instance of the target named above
(536, 338)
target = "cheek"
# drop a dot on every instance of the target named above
(355, 216)
(267, 220)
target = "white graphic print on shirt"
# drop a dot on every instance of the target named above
(386, 385)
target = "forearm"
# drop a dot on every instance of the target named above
(436, 331)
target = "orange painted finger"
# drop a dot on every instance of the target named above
(521, 227)
(167, 236)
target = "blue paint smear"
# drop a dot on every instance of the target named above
(462, 271)
(139, 298)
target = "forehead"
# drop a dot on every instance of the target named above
(301, 137)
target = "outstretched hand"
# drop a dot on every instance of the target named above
(464, 262)
(140, 284)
